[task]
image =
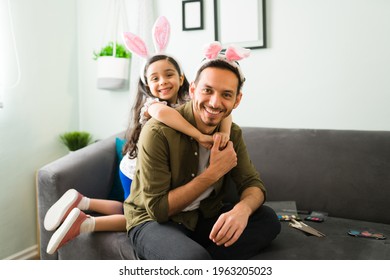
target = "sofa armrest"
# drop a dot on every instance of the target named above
(90, 171)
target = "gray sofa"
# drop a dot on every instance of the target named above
(343, 173)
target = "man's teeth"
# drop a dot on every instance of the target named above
(211, 111)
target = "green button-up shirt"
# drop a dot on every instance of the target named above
(168, 159)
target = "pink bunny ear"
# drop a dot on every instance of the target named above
(212, 50)
(236, 53)
(135, 44)
(161, 31)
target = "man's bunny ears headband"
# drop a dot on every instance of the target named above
(161, 31)
(231, 55)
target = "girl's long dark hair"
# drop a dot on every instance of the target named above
(143, 92)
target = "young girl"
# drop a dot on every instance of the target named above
(161, 84)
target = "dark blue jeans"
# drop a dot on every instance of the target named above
(172, 241)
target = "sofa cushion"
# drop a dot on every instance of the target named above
(98, 246)
(292, 244)
(343, 173)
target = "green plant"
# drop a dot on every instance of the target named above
(75, 140)
(121, 51)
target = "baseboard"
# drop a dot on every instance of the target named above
(31, 253)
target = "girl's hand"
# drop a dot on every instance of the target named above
(224, 139)
(205, 140)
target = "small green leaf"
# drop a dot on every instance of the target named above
(75, 140)
(107, 50)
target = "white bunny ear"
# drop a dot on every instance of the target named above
(234, 53)
(161, 31)
(135, 44)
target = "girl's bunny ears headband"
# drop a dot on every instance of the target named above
(160, 32)
(231, 55)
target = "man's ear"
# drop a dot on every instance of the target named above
(192, 90)
(238, 100)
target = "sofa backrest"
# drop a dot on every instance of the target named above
(345, 173)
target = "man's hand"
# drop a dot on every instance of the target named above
(230, 226)
(224, 139)
(222, 161)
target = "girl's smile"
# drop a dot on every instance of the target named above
(163, 80)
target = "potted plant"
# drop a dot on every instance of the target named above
(75, 140)
(113, 66)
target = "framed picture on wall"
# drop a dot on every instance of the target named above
(241, 24)
(192, 15)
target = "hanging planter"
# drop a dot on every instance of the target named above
(113, 63)
(113, 60)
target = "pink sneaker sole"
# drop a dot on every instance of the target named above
(67, 231)
(59, 210)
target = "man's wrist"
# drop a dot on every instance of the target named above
(243, 207)
(209, 175)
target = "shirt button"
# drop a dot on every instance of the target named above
(196, 153)
(193, 175)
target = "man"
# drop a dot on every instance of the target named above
(175, 208)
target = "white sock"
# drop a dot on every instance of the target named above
(84, 203)
(88, 225)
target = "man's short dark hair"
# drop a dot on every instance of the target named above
(221, 64)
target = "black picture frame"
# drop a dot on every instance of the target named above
(221, 25)
(192, 15)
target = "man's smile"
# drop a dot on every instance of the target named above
(212, 111)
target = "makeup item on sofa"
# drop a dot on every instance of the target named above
(314, 219)
(305, 228)
(288, 217)
(286, 210)
(367, 234)
(316, 216)
(304, 212)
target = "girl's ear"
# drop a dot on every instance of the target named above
(181, 79)
(135, 44)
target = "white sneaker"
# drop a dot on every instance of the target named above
(60, 210)
(69, 229)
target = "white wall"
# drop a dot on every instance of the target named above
(102, 112)
(35, 112)
(326, 65)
